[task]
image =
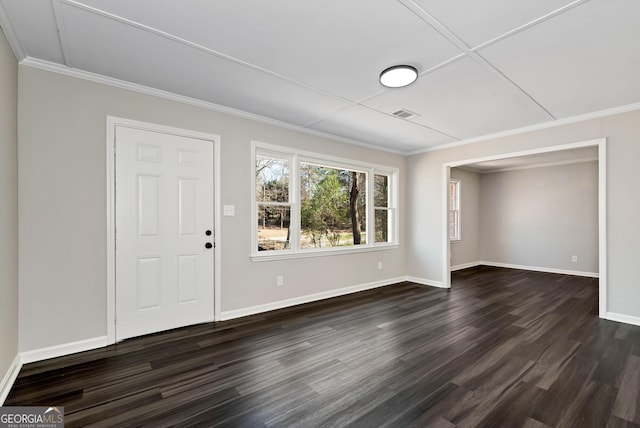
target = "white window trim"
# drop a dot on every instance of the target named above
(292, 199)
(295, 157)
(458, 182)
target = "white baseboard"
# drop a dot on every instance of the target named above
(423, 281)
(541, 269)
(465, 266)
(64, 349)
(10, 378)
(237, 313)
(627, 319)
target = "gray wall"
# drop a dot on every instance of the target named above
(424, 208)
(8, 207)
(62, 158)
(541, 217)
(467, 250)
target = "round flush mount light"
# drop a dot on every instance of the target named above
(398, 76)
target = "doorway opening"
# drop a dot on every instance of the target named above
(597, 144)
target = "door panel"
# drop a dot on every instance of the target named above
(164, 206)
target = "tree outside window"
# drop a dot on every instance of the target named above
(332, 206)
(305, 203)
(274, 207)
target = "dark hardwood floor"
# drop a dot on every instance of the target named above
(502, 348)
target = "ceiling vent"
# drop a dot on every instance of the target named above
(404, 113)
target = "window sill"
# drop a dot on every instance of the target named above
(322, 252)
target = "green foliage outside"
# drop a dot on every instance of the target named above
(325, 214)
(332, 205)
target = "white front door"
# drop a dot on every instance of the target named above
(164, 231)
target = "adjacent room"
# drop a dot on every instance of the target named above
(536, 212)
(289, 214)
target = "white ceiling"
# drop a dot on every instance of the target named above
(485, 66)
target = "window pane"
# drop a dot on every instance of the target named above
(382, 225)
(381, 187)
(453, 195)
(332, 206)
(454, 209)
(454, 224)
(273, 227)
(272, 179)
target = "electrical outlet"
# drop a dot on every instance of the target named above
(574, 259)
(379, 265)
(279, 280)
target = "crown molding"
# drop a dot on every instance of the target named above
(537, 127)
(134, 87)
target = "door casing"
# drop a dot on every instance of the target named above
(112, 122)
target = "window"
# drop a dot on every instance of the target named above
(454, 210)
(306, 203)
(273, 203)
(333, 206)
(383, 214)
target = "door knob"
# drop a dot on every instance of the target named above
(208, 233)
(208, 245)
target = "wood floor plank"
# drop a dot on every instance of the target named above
(550, 364)
(487, 390)
(590, 407)
(627, 404)
(563, 394)
(615, 422)
(532, 423)
(414, 405)
(501, 348)
(512, 409)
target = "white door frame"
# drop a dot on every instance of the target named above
(601, 143)
(112, 122)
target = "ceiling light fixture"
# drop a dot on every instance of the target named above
(398, 76)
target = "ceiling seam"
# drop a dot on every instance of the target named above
(335, 113)
(496, 72)
(458, 42)
(384, 114)
(423, 73)
(431, 21)
(533, 128)
(62, 32)
(415, 123)
(201, 48)
(384, 91)
(529, 24)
